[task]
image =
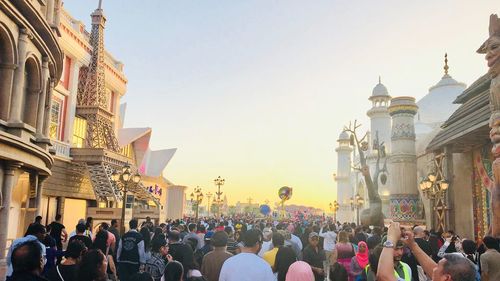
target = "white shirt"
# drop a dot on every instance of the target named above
(246, 267)
(266, 246)
(329, 239)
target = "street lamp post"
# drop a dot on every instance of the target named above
(219, 182)
(334, 208)
(125, 182)
(435, 190)
(209, 196)
(356, 203)
(197, 198)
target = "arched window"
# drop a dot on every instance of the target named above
(32, 88)
(7, 60)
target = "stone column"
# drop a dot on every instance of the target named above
(71, 107)
(48, 106)
(43, 97)
(39, 197)
(403, 161)
(16, 103)
(11, 174)
(6, 75)
(50, 11)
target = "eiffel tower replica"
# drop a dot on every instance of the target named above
(101, 154)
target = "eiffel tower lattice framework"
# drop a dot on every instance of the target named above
(92, 99)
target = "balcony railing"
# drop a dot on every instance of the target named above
(61, 148)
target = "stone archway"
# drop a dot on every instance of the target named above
(31, 90)
(7, 66)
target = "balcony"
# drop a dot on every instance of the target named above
(61, 149)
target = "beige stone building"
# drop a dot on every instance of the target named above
(63, 118)
(31, 62)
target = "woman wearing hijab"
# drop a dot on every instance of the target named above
(359, 261)
(299, 271)
(284, 259)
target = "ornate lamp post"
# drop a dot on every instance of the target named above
(435, 190)
(219, 182)
(356, 203)
(334, 207)
(196, 199)
(125, 182)
(209, 196)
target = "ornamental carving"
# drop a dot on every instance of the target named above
(406, 131)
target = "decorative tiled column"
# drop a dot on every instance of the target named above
(404, 199)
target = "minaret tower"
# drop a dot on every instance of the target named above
(345, 189)
(379, 115)
(403, 162)
(92, 99)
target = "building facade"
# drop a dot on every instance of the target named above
(405, 136)
(31, 62)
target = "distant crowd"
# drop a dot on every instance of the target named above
(243, 248)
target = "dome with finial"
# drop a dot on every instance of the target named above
(380, 90)
(437, 105)
(344, 136)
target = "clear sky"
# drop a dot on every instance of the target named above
(258, 91)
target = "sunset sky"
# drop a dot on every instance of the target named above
(257, 91)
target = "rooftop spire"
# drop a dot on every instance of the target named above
(379, 80)
(446, 67)
(100, 5)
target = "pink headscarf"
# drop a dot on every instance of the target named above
(299, 271)
(362, 258)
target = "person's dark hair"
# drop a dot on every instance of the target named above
(158, 242)
(278, 239)
(228, 230)
(90, 220)
(133, 224)
(100, 241)
(173, 271)
(36, 229)
(219, 239)
(38, 219)
(142, 276)
(90, 266)
(491, 242)
(358, 237)
(80, 228)
(174, 236)
(252, 237)
(58, 217)
(374, 257)
(284, 258)
(158, 231)
(459, 267)
(470, 249)
(75, 249)
(113, 222)
(26, 257)
(146, 235)
(191, 227)
(105, 225)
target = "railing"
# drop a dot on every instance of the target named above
(62, 149)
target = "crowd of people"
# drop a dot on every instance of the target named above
(242, 248)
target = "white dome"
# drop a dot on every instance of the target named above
(344, 136)
(437, 106)
(380, 90)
